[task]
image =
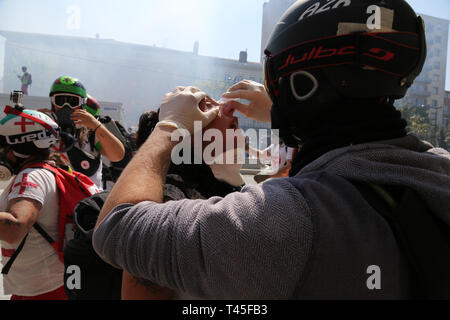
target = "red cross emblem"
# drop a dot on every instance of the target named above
(24, 184)
(24, 123)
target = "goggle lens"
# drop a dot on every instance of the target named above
(72, 101)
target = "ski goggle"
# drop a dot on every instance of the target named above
(73, 101)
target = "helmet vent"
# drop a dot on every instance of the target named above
(303, 85)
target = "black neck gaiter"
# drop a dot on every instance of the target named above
(348, 124)
(201, 178)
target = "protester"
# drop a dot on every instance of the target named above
(315, 235)
(84, 139)
(26, 80)
(186, 181)
(37, 273)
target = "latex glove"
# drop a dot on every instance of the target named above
(259, 107)
(229, 172)
(180, 108)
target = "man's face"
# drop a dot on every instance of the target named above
(64, 105)
(24, 69)
(224, 121)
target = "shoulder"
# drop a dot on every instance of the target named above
(36, 178)
(36, 174)
(33, 183)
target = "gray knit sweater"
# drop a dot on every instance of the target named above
(262, 242)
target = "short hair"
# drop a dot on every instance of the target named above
(147, 123)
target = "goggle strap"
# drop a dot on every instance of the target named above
(10, 110)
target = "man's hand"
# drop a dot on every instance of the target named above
(84, 118)
(181, 108)
(260, 103)
(21, 214)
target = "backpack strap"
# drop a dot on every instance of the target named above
(13, 258)
(423, 238)
(46, 236)
(55, 244)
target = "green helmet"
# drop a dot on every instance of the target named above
(68, 85)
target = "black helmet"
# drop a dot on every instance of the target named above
(325, 51)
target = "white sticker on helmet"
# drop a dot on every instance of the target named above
(379, 20)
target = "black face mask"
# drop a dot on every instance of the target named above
(65, 123)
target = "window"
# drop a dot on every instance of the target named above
(435, 90)
(436, 78)
(437, 65)
(438, 52)
(435, 103)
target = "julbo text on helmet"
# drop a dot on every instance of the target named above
(324, 51)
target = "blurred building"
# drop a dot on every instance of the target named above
(272, 12)
(136, 75)
(429, 88)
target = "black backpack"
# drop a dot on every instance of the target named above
(99, 280)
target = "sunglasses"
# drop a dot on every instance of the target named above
(71, 100)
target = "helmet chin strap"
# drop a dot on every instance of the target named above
(22, 156)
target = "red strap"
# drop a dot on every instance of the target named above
(8, 253)
(17, 112)
(43, 165)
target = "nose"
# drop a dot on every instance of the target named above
(227, 110)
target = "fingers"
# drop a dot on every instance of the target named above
(239, 86)
(242, 108)
(210, 100)
(239, 94)
(243, 85)
(177, 89)
(209, 116)
(199, 95)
